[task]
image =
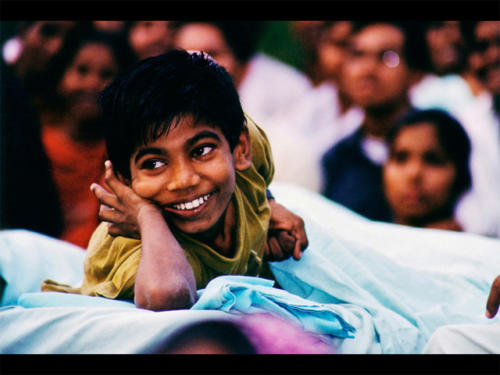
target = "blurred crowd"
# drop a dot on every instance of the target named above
(398, 121)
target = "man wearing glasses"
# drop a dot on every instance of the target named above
(378, 71)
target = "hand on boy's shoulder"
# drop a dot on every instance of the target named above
(286, 236)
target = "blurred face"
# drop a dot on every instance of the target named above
(375, 73)
(209, 39)
(418, 176)
(109, 26)
(189, 173)
(485, 58)
(446, 47)
(150, 38)
(90, 71)
(41, 41)
(332, 49)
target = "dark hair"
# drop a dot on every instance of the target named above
(242, 37)
(415, 50)
(219, 332)
(142, 103)
(452, 138)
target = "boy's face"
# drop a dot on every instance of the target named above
(190, 173)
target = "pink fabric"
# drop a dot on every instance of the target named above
(271, 335)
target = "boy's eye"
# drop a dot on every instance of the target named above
(202, 150)
(152, 164)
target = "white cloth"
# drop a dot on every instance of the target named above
(268, 86)
(465, 339)
(301, 134)
(450, 93)
(479, 210)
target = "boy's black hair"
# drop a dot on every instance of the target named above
(415, 50)
(452, 137)
(242, 37)
(144, 102)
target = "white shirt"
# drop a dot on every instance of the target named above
(302, 134)
(270, 86)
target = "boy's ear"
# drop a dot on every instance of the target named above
(243, 151)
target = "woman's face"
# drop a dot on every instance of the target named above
(332, 49)
(209, 39)
(150, 38)
(418, 176)
(90, 71)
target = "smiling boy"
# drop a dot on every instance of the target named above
(190, 173)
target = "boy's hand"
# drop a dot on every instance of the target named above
(120, 205)
(493, 299)
(286, 236)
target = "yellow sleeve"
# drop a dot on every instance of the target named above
(111, 265)
(262, 156)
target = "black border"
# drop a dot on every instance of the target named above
(263, 10)
(256, 9)
(250, 364)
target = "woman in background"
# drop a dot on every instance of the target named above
(427, 170)
(72, 129)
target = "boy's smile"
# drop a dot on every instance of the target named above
(188, 172)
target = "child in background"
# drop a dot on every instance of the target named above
(191, 182)
(427, 170)
(72, 129)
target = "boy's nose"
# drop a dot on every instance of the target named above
(182, 177)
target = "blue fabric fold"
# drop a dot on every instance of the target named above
(247, 295)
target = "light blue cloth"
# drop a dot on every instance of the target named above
(410, 280)
(56, 299)
(393, 284)
(91, 330)
(27, 258)
(245, 294)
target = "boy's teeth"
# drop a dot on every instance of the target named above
(193, 204)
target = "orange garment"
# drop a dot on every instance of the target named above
(74, 167)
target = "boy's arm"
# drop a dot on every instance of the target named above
(164, 279)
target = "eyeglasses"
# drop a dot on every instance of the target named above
(388, 57)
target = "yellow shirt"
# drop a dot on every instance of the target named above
(111, 263)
